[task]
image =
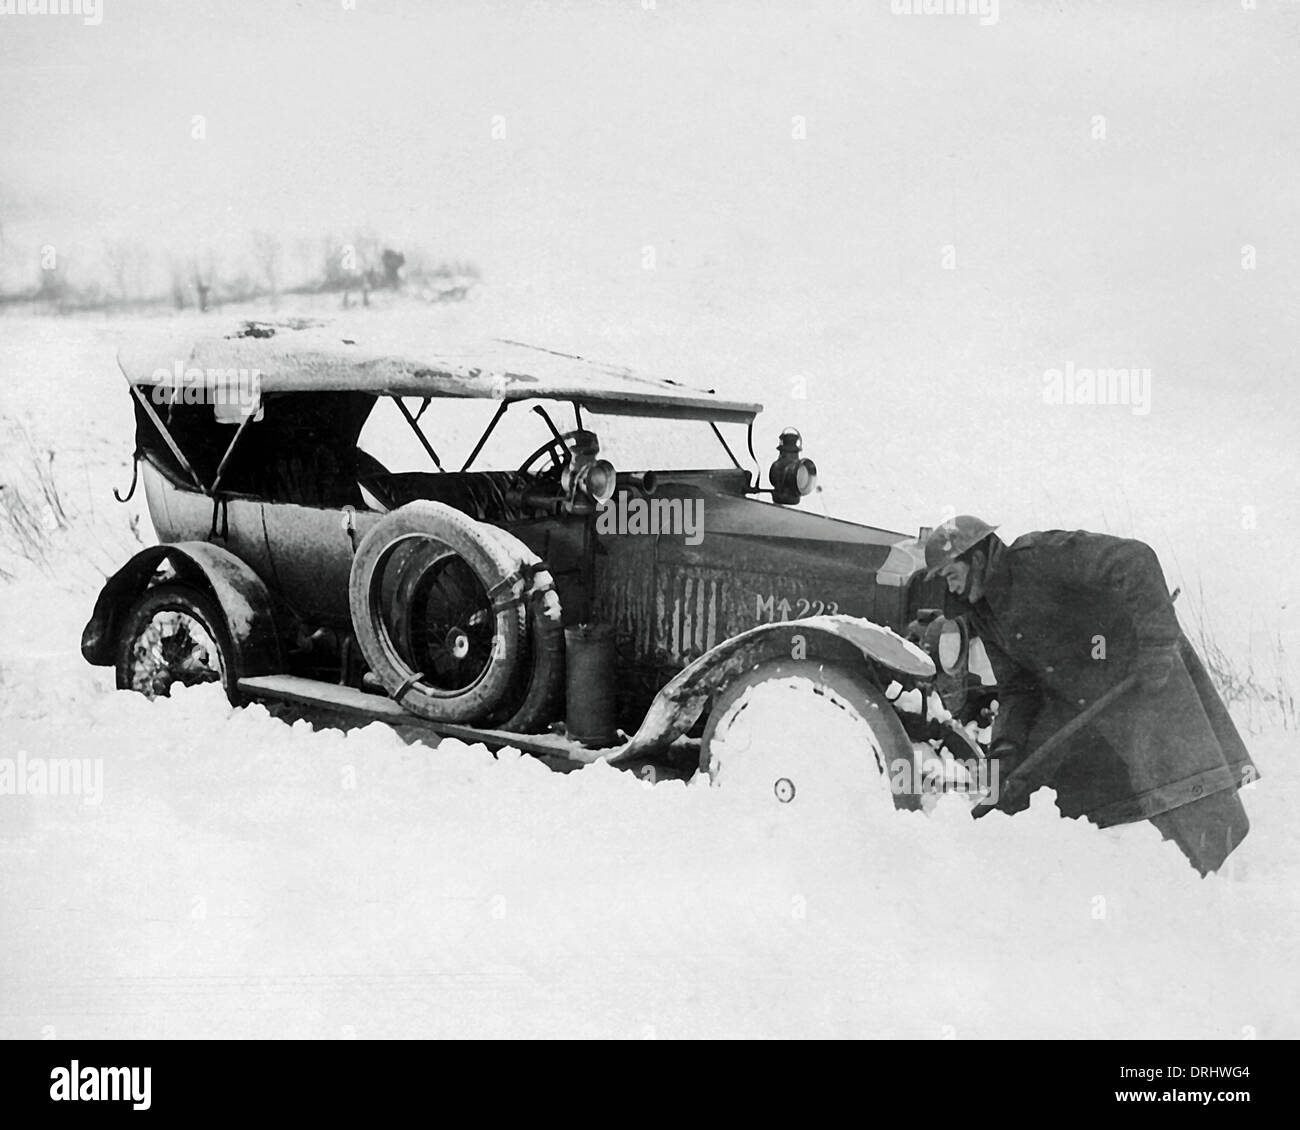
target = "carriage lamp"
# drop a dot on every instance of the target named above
(792, 476)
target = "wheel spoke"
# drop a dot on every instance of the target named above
(451, 626)
(174, 646)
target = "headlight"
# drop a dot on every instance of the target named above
(946, 643)
(598, 479)
(952, 646)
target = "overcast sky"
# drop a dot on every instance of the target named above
(552, 143)
(669, 126)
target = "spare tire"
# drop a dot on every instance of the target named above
(437, 603)
(543, 690)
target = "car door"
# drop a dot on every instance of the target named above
(311, 551)
(234, 523)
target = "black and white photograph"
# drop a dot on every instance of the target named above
(649, 520)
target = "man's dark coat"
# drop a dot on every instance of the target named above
(1063, 617)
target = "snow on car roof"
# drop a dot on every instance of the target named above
(302, 356)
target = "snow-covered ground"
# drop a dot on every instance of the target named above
(241, 876)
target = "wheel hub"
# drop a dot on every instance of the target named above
(457, 643)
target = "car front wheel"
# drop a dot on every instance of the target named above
(811, 729)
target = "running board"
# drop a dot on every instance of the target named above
(376, 708)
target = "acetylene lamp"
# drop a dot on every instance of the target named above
(792, 476)
(594, 477)
(948, 643)
(597, 479)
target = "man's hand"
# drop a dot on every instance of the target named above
(1007, 753)
(1154, 665)
(1013, 796)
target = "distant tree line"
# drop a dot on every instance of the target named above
(127, 274)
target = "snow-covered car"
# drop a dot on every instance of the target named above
(577, 583)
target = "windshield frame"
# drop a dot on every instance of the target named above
(577, 406)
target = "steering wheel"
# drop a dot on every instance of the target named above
(559, 449)
(376, 479)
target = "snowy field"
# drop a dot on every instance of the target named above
(240, 876)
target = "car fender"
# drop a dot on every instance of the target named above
(239, 591)
(846, 639)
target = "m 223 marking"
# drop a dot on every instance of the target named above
(771, 609)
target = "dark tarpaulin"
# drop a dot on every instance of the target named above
(1063, 618)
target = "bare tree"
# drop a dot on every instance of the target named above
(54, 283)
(141, 263)
(268, 253)
(117, 257)
(335, 256)
(393, 262)
(366, 261)
(203, 277)
(127, 261)
(178, 278)
(305, 262)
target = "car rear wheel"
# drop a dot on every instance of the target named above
(806, 728)
(174, 634)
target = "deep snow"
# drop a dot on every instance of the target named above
(242, 876)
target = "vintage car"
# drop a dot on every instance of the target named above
(576, 586)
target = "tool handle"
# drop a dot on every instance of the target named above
(1042, 760)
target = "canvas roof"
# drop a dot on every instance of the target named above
(407, 361)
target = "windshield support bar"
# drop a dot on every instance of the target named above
(418, 433)
(726, 446)
(225, 459)
(166, 435)
(501, 411)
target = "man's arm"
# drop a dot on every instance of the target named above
(1019, 700)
